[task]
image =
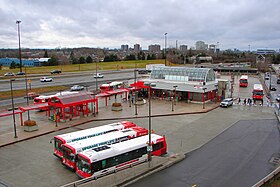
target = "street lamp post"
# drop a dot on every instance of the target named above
(96, 89)
(173, 99)
(149, 148)
(135, 93)
(269, 81)
(165, 48)
(216, 86)
(13, 106)
(19, 48)
(27, 98)
(204, 97)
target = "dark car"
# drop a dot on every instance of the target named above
(278, 98)
(55, 71)
(272, 88)
(20, 73)
(278, 81)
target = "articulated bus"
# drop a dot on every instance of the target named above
(45, 98)
(243, 81)
(112, 158)
(111, 86)
(88, 133)
(258, 92)
(70, 150)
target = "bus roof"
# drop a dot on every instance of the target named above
(119, 148)
(97, 141)
(244, 77)
(83, 134)
(258, 87)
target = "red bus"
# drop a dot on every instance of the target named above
(111, 86)
(243, 81)
(59, 140)
(258, 92)
(70, 150)
(112, 158)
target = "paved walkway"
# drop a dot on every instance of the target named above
(158, 108)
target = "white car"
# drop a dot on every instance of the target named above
(98, 75)
(77, 88)
(46, 79)
(226, 102)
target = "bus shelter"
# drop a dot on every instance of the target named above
(67, 107)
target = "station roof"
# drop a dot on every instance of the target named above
(183, 74)
(73, 99)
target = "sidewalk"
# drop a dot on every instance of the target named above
(158, 108)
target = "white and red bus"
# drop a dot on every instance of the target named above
(88, 133)
(258, 92)
(112, 158)
(70, 150)
(243, 81)
(45, 98)
(111, 86)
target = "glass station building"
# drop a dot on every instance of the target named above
(183, 83)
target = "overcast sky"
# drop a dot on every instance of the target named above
(111, 23)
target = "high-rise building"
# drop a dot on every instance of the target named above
(124, 47)
(201, 45)
(137, 48)
(183, 48)
(154, 48)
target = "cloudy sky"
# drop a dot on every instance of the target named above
(110, 23)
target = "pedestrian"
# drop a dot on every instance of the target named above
(239, 100)
(132, 99)
(249, 101)
(245, 101)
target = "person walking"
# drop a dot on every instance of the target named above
(245, 101)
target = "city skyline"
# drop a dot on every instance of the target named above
(245, 25)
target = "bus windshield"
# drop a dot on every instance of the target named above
(84, 166)
(243, 80)
(258, 92)
(67, 154)
(57, 144)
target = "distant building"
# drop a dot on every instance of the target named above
(183, 48)
(265, 51)
(124, 47)
(25, 62)
(201, 45)
(137, 48)
(154, 48)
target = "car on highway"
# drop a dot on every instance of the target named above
(20, 73)
(226, 102)
(97, 75)
(8, 74)
(77, 88)
(278, 98)
(55, 71)
(31, 95)
(272, 88)
(46, 79)
(278, 81)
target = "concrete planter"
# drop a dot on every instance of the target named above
(30, 128)
(116, 107)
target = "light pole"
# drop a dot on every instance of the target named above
(204, 97)
(19, 48)
(173, 98)
(269, 81)
(149, 148)
(13, 106)
(27, 98)
(216, 86)
(135, 93)
(165, 48)
(96, 89)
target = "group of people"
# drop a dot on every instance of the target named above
(248, 101)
